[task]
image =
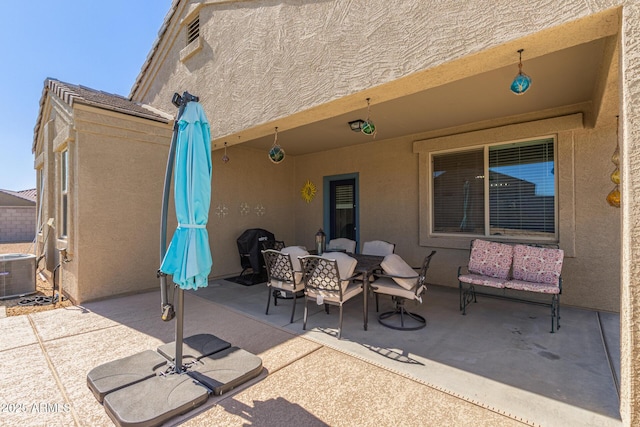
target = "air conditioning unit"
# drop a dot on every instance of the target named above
(17, 275)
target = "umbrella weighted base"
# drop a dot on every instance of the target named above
(141, 390)
(154, 401)
(195, 347)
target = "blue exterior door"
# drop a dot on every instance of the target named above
(341, 206)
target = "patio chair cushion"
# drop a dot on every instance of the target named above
(394, 265)
(346, 266)
(477, 279)
(490, 259)
(521, 285)
(388, 286)
(377, 247)
(294, 252)
(349, 292)
(539, 265)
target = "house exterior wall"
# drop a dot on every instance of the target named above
(248, 192)
(630, 217)
(315, 54)
(118, 177)
(263, 62)
(390, 194)
(55, 131)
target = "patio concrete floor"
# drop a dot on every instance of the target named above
(499, 365)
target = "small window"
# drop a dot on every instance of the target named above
(517, 200)
(64, 192)
(193, 30)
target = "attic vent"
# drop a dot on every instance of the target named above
(193, 30)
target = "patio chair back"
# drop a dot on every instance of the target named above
(378, 247)
(279, 266)
(342, 243)
(278, 245)
(328, 280)
(282, 277)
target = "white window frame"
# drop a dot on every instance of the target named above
(64, 193)
(486, 183)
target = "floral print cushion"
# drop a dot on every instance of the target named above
(490, 259)
(543, 288)
(477, 279)
(538, 265)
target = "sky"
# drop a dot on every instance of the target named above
(98, 44)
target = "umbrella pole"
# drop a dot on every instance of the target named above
(165, 306)
(179, 329)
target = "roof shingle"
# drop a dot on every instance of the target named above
(71, 94)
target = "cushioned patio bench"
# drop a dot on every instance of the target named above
(513, 267)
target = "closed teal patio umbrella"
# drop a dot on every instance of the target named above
(188, 258)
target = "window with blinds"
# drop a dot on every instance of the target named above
(518, 198)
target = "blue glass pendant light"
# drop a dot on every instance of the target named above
(276, 153)
(522, 82)
(368, 128)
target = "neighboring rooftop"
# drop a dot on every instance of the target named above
(71, 94)
(29, 194)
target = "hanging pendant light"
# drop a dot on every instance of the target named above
(225, 158)
(368, 128)
(276, 153)
(522, 82)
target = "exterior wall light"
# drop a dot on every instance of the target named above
(356, 125)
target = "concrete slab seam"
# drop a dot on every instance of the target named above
(76, 419)
(608, 355)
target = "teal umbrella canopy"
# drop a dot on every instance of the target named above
(188, 258)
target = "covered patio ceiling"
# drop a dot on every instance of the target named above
(573, 69)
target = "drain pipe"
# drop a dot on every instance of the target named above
(63, 260)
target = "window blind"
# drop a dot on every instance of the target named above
(458, 192)
(522, 188)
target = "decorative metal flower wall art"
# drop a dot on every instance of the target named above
(222, 211)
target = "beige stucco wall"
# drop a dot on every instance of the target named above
(116, 172)
(266, 60)
(118, 179)
(315, 54)
(389, 185)
(248, 192)
(630, 265)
